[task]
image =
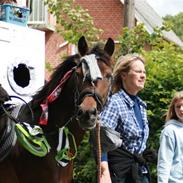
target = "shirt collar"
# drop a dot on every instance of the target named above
(127, 98)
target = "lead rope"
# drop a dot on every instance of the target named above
(98, 151)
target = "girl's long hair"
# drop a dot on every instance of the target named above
(171, 114)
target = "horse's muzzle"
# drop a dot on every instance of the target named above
(87, 119)
(88, 107)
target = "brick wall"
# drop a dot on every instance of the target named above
(54, 52)
(107, 15)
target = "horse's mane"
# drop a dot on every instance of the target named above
(59, 72)
(66, 65)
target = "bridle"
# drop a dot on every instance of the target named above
(91, 93)
(80, 95)
(92, 79)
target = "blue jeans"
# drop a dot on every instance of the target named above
(126, 179)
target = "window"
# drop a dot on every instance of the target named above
(39, 16)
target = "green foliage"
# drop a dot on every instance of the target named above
(136, 39)
(48, 66)
(164, 68)
(164, 76)
(133, 40)
(73, 21)
(85, 166)
(177, 23)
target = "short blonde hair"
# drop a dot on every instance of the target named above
(171, 114)
(123, 64)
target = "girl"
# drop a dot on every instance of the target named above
(170, 155)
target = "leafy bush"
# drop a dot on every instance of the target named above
(85, 166)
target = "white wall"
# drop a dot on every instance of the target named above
(21, 46)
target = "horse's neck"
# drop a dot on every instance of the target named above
(62, 110)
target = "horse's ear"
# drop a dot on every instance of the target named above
(109, 46)
(82, 46)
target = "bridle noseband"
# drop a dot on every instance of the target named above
(91, 93)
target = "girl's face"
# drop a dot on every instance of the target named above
(179, 109)
(134, 79)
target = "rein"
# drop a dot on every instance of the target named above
(52, 97)
(99, 151)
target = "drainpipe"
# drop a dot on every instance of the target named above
(129, 13)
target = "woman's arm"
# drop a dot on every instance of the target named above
(105, 174)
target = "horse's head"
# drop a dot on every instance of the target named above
(94, 75)
(78, 88)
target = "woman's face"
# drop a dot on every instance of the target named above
(134, 79)
(179, 109)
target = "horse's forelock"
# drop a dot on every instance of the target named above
(99, 51)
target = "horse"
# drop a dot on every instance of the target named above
(69, 103)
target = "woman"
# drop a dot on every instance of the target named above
(170, 155)
(125, 112)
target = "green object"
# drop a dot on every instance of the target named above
(37, 146)
(66, 153)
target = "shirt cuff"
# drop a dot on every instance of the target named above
(104, 157)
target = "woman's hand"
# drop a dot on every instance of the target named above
(105, 174)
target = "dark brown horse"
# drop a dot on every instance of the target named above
(75, 94)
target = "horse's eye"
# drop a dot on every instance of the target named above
(87, 77)
(108, 77)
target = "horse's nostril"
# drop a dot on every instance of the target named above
(90, 112)
(93, 111)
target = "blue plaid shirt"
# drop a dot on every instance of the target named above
(119, 114)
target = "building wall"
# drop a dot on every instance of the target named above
(53, 51)
(107, 15)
